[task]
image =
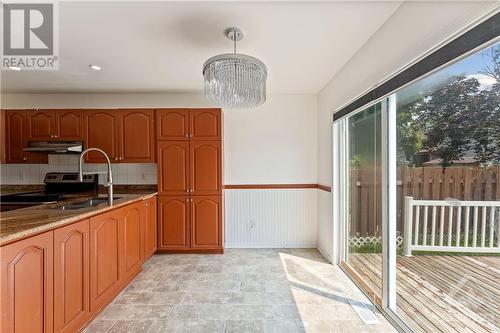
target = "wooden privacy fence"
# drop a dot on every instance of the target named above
(423, 183)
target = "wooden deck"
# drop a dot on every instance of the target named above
(440, 293)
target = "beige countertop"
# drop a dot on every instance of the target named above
(21, 223)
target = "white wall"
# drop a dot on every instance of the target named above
(412, 30)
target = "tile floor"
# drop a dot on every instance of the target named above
(244, 290)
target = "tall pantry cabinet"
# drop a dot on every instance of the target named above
(189, 156)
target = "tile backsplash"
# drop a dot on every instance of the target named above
(33, 174)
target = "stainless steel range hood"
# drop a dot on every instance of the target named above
(56, 147)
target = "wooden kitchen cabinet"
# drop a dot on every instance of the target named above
(71, 277)
(151, 234)
(127, 136)
(205, 124)
(188, 124)
(172, 124)
(132, 240)
(206, 222)
(189, 155)
(136, 136)
(16, 138)
(3, 137)
(54, 125)
(205, 167)
(41, 125)
(101, 131)
(173, 167)
(173, 223)
(105, 231)
(68, 125)
(27, 285)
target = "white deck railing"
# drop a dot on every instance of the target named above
(451, 226)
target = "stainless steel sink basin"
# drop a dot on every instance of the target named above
(83, 204)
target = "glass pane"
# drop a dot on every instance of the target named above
(448, 146)
(364, 149)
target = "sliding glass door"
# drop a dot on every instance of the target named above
(364, 198)
(418, 198)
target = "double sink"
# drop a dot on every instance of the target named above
(92, 202)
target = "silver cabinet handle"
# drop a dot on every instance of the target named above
(25, 158)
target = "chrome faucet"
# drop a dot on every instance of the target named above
(109, 182)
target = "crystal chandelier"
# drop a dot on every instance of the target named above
(234, 80)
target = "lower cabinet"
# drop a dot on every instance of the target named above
(59, 280)
(190, 223)
(206, 217)
(131, 240)
(71, 277)
(150, 242)
(104, 258)
(27, 285)
(173, 222)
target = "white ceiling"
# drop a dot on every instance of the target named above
(161, 46)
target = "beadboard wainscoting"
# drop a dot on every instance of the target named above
(259, 218)
(325, 227)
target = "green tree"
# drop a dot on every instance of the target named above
(409, 131)
(445, 116)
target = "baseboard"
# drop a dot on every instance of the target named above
(270, 246)
(324, 254)
(206, 251)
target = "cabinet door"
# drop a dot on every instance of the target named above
(151, 227)
(15, 136)
(69, 125)
(173, 167)
(131, 237)
(27, 285)
(206, 221)
(101, 131)
(172, 124)
(136, 136)
(205, 167)
(71, 277)
(205, 124)
(173, 223)
(41, 125)
(3, 137)
(104, 258)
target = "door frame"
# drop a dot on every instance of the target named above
(340, 205)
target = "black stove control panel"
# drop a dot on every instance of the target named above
(68, 177)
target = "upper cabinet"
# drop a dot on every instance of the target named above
(3, 152)
(55, 125)
(205, 124)
(125, 135)
(188, 124)
(68, 125)
(101, 131)
(16, 138)
(172, 124)
(136, 136)
(41, 125)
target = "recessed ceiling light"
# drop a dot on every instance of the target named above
(95, 67)
(15, 68)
